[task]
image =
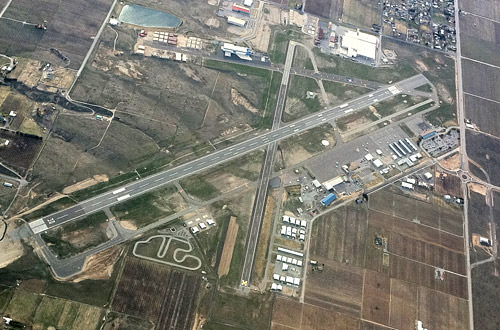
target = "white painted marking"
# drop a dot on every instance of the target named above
(343, 105)
(117, 191)
(350, 110)
(320, 115)
(371, 95)
(121, 198)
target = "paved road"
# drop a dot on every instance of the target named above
(266, 171)
(464, 160)
(160, 179)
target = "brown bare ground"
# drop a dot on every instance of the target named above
(265, 234)
(99, 266)
(454, 310)
(86, 183)
(451, 163)
(427, 253)
(403, 305)
(128, 225)
(411, 229)
(446, 183)
(376, 297)
(317, 318)
(11, 250)
(227, 250)
(282, 312)
(338, 287)
(239, 99)
(479, 188)
(424, 275)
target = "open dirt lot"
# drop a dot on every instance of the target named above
(164, 296)
(483, 113)
(331, 9)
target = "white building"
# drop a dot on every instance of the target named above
(242, 52)
(357, 43)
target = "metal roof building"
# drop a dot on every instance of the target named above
(360, 44)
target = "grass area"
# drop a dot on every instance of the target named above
(310, 140)
(279, 43)
(343, 66)
(301, 59)
(407, 130)
(23, 305)
(269, 95)
(5, 297)
(445, 113)
(425, 88)
(49, 311)
(248, 312)
(239, 68)
(341, 92)
(60, 240)
(264, 237)
(198, 187)
(212, 241)
(147, 208)
(396, 103)
(271, 100)
(29, 266)
(298, 105)
(102, 187)
(55, 206)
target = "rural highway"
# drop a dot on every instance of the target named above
(266, 171)
(160, 179)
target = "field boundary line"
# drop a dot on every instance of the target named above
(418, 223)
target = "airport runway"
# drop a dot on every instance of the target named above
(266, 171)
(160, 179)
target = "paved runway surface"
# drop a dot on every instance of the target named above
(160, 179)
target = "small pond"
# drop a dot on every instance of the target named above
(147, 17)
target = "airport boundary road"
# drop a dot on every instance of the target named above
(162, 178)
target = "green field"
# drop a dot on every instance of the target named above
(252, 312)
(23, 305)
(297, 104)
(147, 208)
(279, 43)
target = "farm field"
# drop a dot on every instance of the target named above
(480, 39)
(230, 308)
(486, 8)
(361, 13)
(70, 25)
(331, 9)
(382, 261)
(485, 151)
(483, 113)
(166, 297)
(483, 80)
